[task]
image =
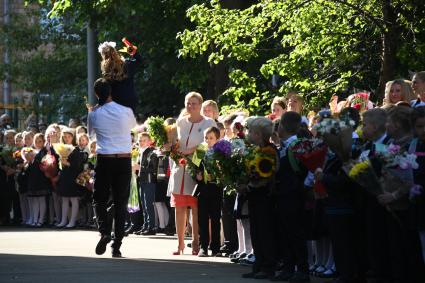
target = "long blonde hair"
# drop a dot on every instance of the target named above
(112, 64)
(407, 94)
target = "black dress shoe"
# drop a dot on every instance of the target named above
(300, 277)
(263, 275)
(139, 232)
(101, 245)
(149, 233)
(282, 276)
(248, 275)
(116, 253)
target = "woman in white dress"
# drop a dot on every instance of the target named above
(190, 130)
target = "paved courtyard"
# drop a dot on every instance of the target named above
(46, 255)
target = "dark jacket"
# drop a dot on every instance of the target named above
(38, 183)
(67, 187)
(123, 92)
(148, 162)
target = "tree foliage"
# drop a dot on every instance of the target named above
(316, 47)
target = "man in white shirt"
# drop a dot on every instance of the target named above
(111, 123)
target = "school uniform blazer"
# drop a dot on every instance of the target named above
(148, 162)
(67, 187)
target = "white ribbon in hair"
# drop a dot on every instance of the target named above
(105, 45)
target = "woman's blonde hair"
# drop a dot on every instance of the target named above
(194, 94)
(112, 64)
(407, 94)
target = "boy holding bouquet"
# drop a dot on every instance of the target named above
(209, 203)
(261, 171)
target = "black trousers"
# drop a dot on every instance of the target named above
(406, 262)
(262, 228)
(292, 218)
(346, 246)
(113, 175)
(229, 222)
(209, 207)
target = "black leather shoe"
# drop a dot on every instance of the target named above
(101, 245)
(282, 276)
(116, 253)
(248, 275)
(149, 233)
(263, 275)
(140, 231)
(300, 277)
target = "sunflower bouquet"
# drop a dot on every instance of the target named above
(157, 130)
(261, 165)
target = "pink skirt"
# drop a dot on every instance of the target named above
(183, 200)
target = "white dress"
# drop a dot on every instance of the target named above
(190, 135)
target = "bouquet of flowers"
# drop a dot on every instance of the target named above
(193, 163)
(362, 173)
(157, 130)
(261, 164)
(48, 166)
(86, 179)
(134, 154)
(92, 160)
(359, 101)
(133, 199)
(337, 134)
(7, 154)
(63, 150)
(312, 154)
(226, 164)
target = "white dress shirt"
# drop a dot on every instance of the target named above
(111, 125)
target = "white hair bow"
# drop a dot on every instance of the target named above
(105, 45)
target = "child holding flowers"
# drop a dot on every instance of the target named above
(67, 187)
(209, 203)
(290, 199)
(39, 185)
(261, 167)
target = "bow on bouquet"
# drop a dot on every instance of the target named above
(311, 153)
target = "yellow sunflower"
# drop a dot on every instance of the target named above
(264, 166)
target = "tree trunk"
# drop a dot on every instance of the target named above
(390, 40)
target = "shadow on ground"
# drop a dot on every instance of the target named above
(35, 269)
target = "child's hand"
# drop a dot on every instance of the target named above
(136, 167)
(65, 162)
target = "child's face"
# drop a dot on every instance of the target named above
(208, 111)
(83, 142)
(222, 133)
(39, 143)
(369, 130)
(254, 137)
(392, 127)
(228, 131)
(294, 105)
(420, 128)
(210, 139)
(28, 140)
(19, 142)
(144, 141)
(93, 148)
(9, 139)
(67, 138)
(53, 137)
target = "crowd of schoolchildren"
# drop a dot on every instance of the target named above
(284, 229)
